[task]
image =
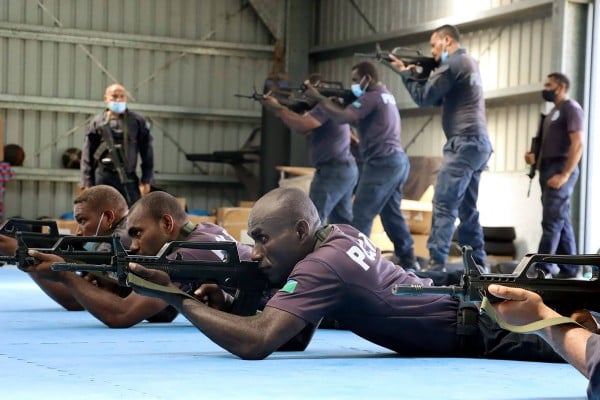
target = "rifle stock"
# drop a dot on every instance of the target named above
(243, 276)
(35, 233)
(563, 295)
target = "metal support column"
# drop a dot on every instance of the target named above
(571, 21)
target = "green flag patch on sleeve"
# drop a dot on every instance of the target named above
(289, 287)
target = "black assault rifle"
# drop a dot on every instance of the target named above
(335, 90)
(243, 276)
(285, 98)
(70, 248)
(34, 232)
(115, 158)
(423, 64)
(563, 295)
(536, 147)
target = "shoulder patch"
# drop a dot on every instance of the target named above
(356, 104)
(289, 287)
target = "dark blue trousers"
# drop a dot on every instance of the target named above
(456, 192)
(557, 232)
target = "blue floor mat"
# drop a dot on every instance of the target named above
(49, 353)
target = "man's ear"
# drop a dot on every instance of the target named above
(302, 229)
(167, 223)
(110, 217)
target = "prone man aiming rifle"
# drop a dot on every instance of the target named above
(563, 295)
(244, 277)
(423, 65)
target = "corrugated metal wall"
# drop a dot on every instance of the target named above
(512, 42)
(181, 60)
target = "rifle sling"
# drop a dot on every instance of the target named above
(135, 280)
(527, 328)
(321, 235)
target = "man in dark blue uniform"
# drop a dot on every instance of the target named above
(336, 172)
(385, 166)
(130, 135)
(557, 161)
(336, 271)
(456, 86)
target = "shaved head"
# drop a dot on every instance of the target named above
(287, 206)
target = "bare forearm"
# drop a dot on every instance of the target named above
(573, 157)
(338, 114)
(108, 307)
(570, 342)
(294, 121)
(241, 336)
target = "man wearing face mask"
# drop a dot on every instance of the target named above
(558, 159)
(385, 165)
(336, 172)
(99, 211)
(156, 219)
(456, 86)
(130, 135)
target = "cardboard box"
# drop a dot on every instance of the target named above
(196, 219)
(246, 204)
(234, 220)
(381, 240)
(66, 226)
(417, 215)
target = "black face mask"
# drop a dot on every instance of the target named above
(549, 95)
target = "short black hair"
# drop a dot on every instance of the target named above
(560, 78)
(14, 155)
(156, 204)
(449, 30)
(365, 68)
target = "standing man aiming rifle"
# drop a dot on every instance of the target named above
(113, 140)
(456, 86)
(336, 171)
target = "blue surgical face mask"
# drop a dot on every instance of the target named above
(118, 107)
(357, 89)
(444, 56)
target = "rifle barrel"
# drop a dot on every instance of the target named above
(70, 267)
(419, 290)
